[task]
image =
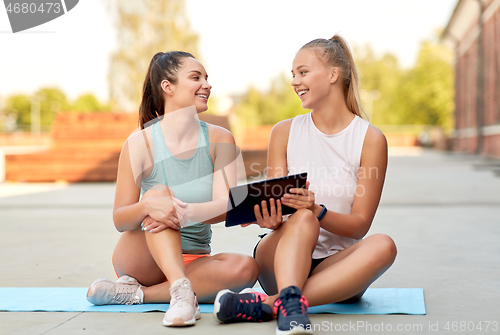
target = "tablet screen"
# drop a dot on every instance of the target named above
(243, 198)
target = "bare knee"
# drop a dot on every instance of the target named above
(386, 250)
(245, 271)
(249, 269)
(303, 219)
(305, 215)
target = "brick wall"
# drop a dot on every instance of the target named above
(466, 89)
(86, 147)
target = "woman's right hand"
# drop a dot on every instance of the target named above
(269, 220)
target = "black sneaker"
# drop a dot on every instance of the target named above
(237, 307)
(291, 311)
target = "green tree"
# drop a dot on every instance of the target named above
(425, 93)
(19, 105)
(279, 103)
(88, 103)
(249, 106)
(381, 74)
(143, 29)
(52, 100)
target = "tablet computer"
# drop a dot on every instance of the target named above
(243, 198)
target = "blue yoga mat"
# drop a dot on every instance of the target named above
(73, 299)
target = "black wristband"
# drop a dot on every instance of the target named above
(323, 213)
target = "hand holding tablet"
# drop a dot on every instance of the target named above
(299, 198)
(270, 218)
(243, 198)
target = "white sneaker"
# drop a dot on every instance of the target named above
(184, 309)
(125, 291)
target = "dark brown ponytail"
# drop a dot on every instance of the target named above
(336, 52)
(163, 66)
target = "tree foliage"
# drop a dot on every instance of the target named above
(425, 94)
(52, 101)
(143, 29)
(20, 106)
(88, 103)
(380, 74)
(270, 107)
(419, 95)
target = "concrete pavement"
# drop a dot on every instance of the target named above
(442, 211)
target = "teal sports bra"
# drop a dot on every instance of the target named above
(191, 180)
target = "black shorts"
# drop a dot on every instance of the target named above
(314, 263)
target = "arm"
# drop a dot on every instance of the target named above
(371, 178)
(276, 167)
(128, 211)
(276, 153)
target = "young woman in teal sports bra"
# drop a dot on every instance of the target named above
(173, 181)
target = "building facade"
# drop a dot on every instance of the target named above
(473, 32)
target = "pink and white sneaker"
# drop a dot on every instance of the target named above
(125, 291)
(184, 309)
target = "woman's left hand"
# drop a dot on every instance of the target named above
(300, 198)
(153, 226)
(182, 213)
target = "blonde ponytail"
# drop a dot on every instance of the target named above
(336, 52)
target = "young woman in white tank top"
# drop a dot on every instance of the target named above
(318, 255)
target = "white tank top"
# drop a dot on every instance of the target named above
(332, 163)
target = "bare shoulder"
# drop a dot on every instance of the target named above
(375, 144)
(281, 130)
(139, 137)
(283, 126)
(138, 144)
(219, 134)
(375, 137)
(136, 134)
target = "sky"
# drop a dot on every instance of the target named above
(240, 43)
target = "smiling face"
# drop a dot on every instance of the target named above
(192, 87)
(311, 78)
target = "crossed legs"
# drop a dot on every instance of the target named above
(284, 258)
(153, 257)
(208, 275)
